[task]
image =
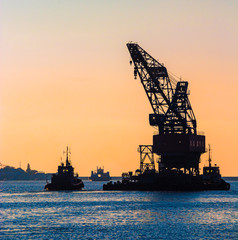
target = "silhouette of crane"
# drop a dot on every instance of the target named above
(178, 145)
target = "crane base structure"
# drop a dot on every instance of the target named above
(177, 144)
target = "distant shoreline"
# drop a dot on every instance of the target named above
(83, 178)
(17, 174)
(113, 179)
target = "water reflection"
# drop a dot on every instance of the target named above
(118, 214)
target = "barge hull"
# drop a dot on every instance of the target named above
(165, 184)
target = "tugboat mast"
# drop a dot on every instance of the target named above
(67, 156)
(209, 160)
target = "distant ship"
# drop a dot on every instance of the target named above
(65, 179)
(100, 175)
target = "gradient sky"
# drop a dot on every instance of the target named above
(65, 78)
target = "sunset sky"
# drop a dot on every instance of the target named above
(65, 79)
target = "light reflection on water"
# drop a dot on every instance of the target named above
(29, 213)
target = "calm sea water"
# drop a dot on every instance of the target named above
(29, 212)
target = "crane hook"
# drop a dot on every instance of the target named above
(135, 72)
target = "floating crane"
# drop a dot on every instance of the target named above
(177, 143)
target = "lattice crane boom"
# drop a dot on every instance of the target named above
(172, 110)
(154, 78)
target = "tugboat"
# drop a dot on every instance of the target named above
(65, 179)
(212, 177)
(100, 175)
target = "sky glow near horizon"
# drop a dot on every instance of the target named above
(66, 79)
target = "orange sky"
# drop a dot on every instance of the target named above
(66, 79)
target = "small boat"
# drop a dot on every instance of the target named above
(212, 177)
(99, 175)
(65, 179)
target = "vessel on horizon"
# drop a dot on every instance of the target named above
(100, 175)
(65, 179)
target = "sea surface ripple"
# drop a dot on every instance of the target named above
(30, 212)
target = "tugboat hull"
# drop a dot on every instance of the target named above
(71, 187)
